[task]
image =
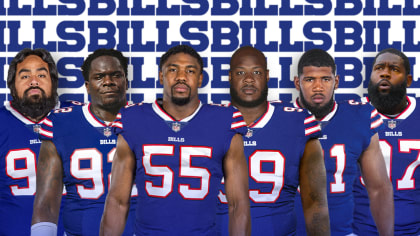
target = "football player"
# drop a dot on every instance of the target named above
(77, 150)
(399, 142)
(32, 79)
(178, 150)
(282, 151)
(350, 138)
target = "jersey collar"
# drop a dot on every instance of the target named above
(411, 106)
(264, 119)
(409, 109)
(91, 118)
(331, 114)
(166, 117)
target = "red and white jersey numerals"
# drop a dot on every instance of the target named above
(164, 172)
(407, 181)
(94, 173)
(185, 170)
(27, 172)
(338, 152)
(275, 177)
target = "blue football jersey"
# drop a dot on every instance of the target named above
(19, 148)
(400, 145)
(347, 131)
(86, 146)
(178, 165)
(273, 145)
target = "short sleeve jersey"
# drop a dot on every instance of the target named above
(400, 145)
(346, 133)
(86, 146)
(19, 148)
(273, 146)
(178, 165)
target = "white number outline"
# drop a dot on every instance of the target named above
(30, 159)
(338, 151)
(161, 191)
(255, 162)
(407, 182)
(185, 170)
(98, 188)
(254, 194)
(387, 151)
(94, 179)
(63, 110)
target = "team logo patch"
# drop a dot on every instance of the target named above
(36, 128)
(107, 131)
(176, 127)
(249, 133)
(392, 124)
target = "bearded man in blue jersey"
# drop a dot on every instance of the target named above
(32, 79)
(399, 141)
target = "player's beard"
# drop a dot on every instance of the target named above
(35, 106)
(318, 110)
(240, 102)
(180, 101)
(385, 103)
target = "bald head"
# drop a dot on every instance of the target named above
(248, 77)
(246, 52)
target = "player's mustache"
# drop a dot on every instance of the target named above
(248, 86)
(318, 94)
(34, 87)
(179, 83)
(383, 81)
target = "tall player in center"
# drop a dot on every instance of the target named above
(178, 150)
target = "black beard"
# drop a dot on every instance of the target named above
(240, 102)
(36, 107)
(386, 103)
(180, 101)
(318, 111)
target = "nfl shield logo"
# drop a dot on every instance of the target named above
(36, 128)
(107, 131)
(392, 124)
(176, 126)
(249, 133)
